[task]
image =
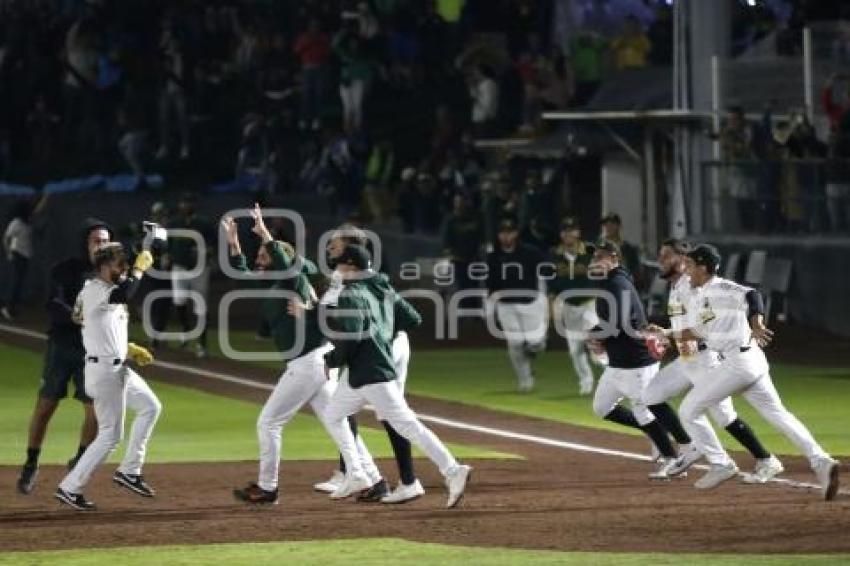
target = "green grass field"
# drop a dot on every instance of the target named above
(194, 426)
(484, 377)
(383, 551)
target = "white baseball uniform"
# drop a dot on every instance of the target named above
(304, 381)
(680, 375)
(577, 321)
(618, 383)
(112, 385)
(722, 321)
(525, 326)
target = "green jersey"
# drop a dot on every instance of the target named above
(283, 326)
(366, 314)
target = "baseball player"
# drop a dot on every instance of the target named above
(695, 360)
(577, 314)
(405, 318)
(515, 290)
(631, 367)
(304, 379)
(729, 318)
(184, 255)
(101, 308)
(361, 326)
(64, 358)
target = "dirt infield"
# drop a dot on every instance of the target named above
(554, 499)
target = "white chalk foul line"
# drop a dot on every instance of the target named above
(450, 423)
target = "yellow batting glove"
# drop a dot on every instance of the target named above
(138, 354)
(143, 261)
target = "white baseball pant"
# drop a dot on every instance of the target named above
(182, 286)
(577, 321)
(618, 383)
(680, 375)
(303, 382)
(747, 373)
(113, 389)
(524, 326)
(389, 405)
(401, 358)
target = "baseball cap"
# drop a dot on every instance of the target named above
(613, 217)
(508, 224)
(705, 254)
(569, 223)
(355, 255)
(609, 247)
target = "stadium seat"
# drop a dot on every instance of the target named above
(730, 270)
(754, 275)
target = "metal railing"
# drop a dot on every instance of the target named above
(783, 196)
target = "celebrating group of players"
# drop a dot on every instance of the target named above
(716, 325)
(345, 342)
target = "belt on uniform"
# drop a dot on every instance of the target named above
(96, 360)
(702, 347)
(743, 349)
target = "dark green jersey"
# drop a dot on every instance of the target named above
(571, 270)
(405, 316)
(282, 325)
(365, 312)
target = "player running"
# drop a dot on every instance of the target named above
(101, 308)
(304, 379)
(694, 362)
(730, 319)
(361, 328)
(64, 358)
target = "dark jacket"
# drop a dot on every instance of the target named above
(366, 314)
(66, 281)
(624, 351)
(283, 326)
(515, 271)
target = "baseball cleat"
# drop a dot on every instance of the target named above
(765, 470)
(26, 481)
(253, 493)
(456, 481)
(354, 483)
(135, 483)
(689, 456)
(826, 470)
(332, 484)
(375, 493)
(663, 471)
(404, 493)
(716, 474)
(75, 500)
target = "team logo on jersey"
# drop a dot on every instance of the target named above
(706, 314)
(676, 309)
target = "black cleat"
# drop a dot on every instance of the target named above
(26, 482)
(374, 493)
(256, 495)
(136, 484)
(75, 500)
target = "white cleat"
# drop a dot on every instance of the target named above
(456, 481)
(354, 483)
(663, 472)
(332, 484)
(689, 456)
(766, 469)
(826, 470)
(404, 493)
(717, 474)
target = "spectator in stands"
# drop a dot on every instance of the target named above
(445, 135)
(835, 99)
(42, 124)
(81, 99)
(552, 89)
(379, 173)
(173, 111)
(430, 212)
(587, 54)
(533, 200)
(252, 161)
(631, 47)
(612, 225)
(313, 49)
(357, 71)
(736, 139)
(133, 142)
(484, 94)
(803, 174)
(407, 200)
